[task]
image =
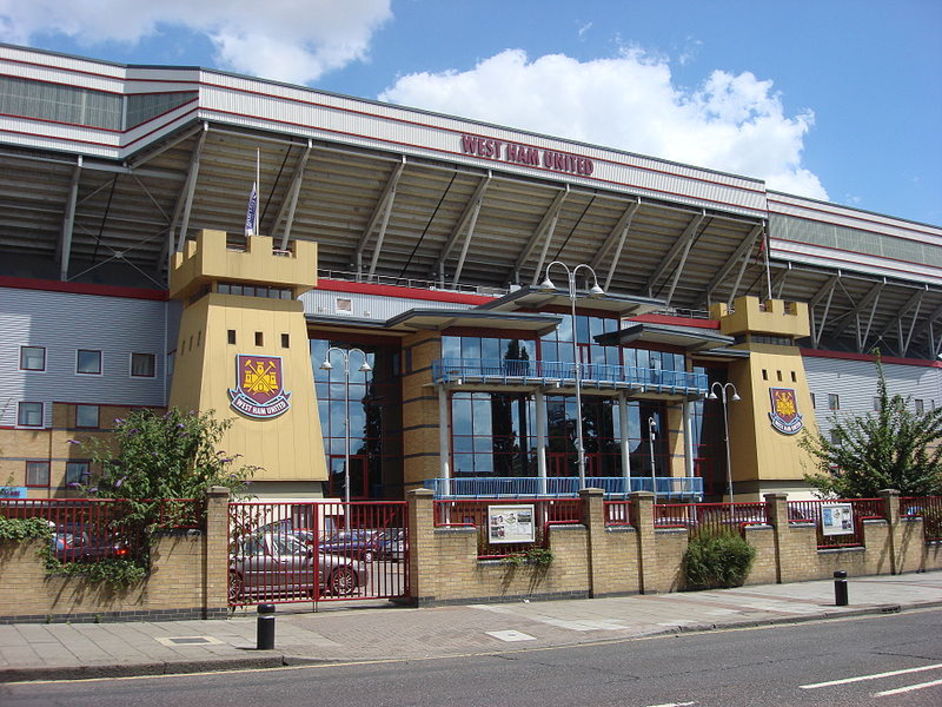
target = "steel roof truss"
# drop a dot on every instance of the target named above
(817, 331)
(290, 204)
(470, 214)
(862, 340)
(742, 251)
(467, 241)
(619, 233)
(185, 201)
(681, 244)
(547, 224)
(380, 216)
(68, 223)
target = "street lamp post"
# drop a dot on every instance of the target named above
(652, 433)
(365, 368)
(723, 389)
(594, 291)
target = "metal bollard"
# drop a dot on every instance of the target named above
(265, 632)
(840, 588)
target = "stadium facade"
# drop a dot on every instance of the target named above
(499, 311)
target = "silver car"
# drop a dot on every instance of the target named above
(276, 565)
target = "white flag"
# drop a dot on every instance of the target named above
(251, 211)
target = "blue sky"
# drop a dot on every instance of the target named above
(834, 99)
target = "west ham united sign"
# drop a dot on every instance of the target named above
(784, 414)
(259, 390)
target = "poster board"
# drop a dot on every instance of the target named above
(837, 519)
(511, 524)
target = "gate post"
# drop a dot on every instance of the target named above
(777, 512)
(216, 553)
(422, 553)
(593, 517)
(891, 513)
(642, 516)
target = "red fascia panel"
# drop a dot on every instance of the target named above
(677, 321)
(79, 288)
(365, 288)
(817, 353)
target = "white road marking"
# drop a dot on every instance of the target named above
(874, 676)
(908, 688)
(674, 704)
(510, 636)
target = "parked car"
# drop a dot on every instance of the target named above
(75, 542)
(391, 544)
(361, 544)
(269, 565)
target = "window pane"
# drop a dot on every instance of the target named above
(143, 365)
(88, 361)
(86, 416)
(30, 414)
(37, 473)
(33, 358)
(76, 472)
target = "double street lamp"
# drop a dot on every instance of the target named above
(365, 368)
(724, 389)
(594, 291)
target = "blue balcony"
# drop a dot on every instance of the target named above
(563, 373)
(688, 488)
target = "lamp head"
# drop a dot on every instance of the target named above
(711, 396)
(547, 285)
(596, 291)
(326, 365)
(735, 397)
(365, 368)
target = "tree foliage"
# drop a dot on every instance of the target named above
(158, 456)
(893, 447)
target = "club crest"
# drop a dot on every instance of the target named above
(259, 390)
(784, 415)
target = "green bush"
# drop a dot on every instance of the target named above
(717, 559)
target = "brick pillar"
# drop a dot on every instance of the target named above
(423, 559)
(642, 516)
(216, 553)
(593, 516)
(891, 513)
(777, 512)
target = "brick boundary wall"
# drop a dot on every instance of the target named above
(594, 560)
(188, 580)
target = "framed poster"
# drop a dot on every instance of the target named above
(837, 519)
(510, 524)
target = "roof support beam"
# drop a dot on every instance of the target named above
(741, 253)
(934, 347)
(862, 340)
(185, 201)
(291, 203)
(467, 240)
(620, 234)
(854, 313)
(680, 244)
(68, 223)
(380, 215)
(548, 225)
(827, 290)
(473, 207)
(679, 270)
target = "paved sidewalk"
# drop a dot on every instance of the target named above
(60, 651)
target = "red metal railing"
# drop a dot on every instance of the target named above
(811, 511)
(929, 508)
(89, 529)
(619, 514)
(317, 551)
(474, 513)
(711, 517)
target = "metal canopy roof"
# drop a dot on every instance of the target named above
(688, 338)
(384, 215)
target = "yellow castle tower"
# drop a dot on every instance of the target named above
(775, 409)
(243, 352)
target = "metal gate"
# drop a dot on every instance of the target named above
(317, 551)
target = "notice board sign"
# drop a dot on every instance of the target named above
(511, 524)
(837, 519)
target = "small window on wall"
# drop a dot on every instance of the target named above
(86, 416)
(37, 474)
(342, 305)
(813, 402)
(259, 339)
(285, 341)
(876, 404)
(794, 377)
(920, 407)
(29, 414)
(143, 365)
(835, 438)
(33, 358)
(88, 362)
(77, 473)
(834, 401)
(765, 374)
(231, 336)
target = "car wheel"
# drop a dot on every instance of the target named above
(342, 581)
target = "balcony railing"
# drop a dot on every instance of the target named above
(667, 487)
(592, 375)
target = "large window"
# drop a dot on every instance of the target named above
(492, 433)
(29, 415)
(37, 473)
(88, 362)
(33, 358)
(143, 365)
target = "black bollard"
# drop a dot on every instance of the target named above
(840, 588)
(265, 633)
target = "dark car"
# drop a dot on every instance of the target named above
(75, 542)
(361, 544)
(391, 544)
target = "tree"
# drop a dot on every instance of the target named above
(158, 456)
(894, 447)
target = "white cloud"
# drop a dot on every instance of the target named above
(290, 40)
(733, 123)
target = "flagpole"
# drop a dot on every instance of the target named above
(768, 271)
(258, 181)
